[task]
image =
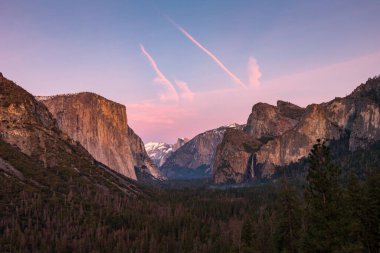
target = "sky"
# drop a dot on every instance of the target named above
(184, 67)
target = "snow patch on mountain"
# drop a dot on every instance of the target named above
(160, 151)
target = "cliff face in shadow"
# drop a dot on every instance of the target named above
(195, 157)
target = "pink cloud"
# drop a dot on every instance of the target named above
(254, 73)
(171, 93)
(156, 121)
(233, 77)
(185, 92)
(164, 115)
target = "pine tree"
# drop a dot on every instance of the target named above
(356, 205)
(325, 213)
(372, 216)
(364, 210)
(247, 236)
(288, 224)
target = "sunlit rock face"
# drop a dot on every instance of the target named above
(100, 125)
(287, 133)
(297, 142)
(235, 159)
(270, 121)
(27, 124)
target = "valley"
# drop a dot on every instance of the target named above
(76, 178)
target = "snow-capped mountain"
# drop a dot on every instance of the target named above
(160, 151)
(194, 159)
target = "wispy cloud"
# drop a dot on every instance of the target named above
(185, 92)
(234, 78)
(254, 73)
(171, 93)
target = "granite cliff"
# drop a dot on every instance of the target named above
(236, 146)
(194, 158)
(271, 121)
(27, 124)
(287, 132)
(101, 126)
(36, 153)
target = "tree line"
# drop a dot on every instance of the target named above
(322, 213)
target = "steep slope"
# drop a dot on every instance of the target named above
(37, 155)
(271, 121)
(28, 125)
(233, 154)
(159, 152)
(194, 159)
(359, 117)
(235, 159)
(290, 131)
(100, 125)
(141, 159)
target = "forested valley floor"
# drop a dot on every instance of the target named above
(320, 213)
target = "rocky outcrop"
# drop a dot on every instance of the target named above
(37, 156)
(180, 142)
(265, 123)
(159, 152)
(31, 142)
(233, 158)
(360, 118)
(141, 159)
(27, 124)
(194, 159)
(296, 143)
(287, 132)
(100, 125)
(271, 121)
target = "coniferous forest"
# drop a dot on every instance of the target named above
(325, 211)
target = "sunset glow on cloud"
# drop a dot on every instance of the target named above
(171, 93)
(233, 77)
(185, 92)
(220, 107)
(254, 73)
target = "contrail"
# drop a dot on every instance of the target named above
(212, 56)
(161, 78)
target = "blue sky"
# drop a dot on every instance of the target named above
(52, 47)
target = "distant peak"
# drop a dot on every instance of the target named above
(281, 103)
(368, 89)
(233, 125)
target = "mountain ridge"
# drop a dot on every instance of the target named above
(289, 141)
(159, 152)
(34, 152)
(194, 158)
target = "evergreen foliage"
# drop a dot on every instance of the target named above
(289, 221)
(58, 210)
(324, 206)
